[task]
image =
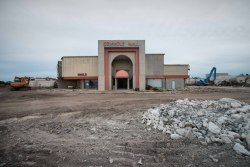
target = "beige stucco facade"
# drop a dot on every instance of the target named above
(73, 66)
(120, 55)
(155, 64)
(176, 69)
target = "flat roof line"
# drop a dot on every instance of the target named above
(77, 56)
(176, 64)
(121, 40)
(154, 53)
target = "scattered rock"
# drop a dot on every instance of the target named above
(201, 138)
(171, 113)
(181, 131)
(240, 149)
(213, 158)
(248, 140)
(208, 140)
(93, 129)
(28, 163)
(133, 135)
(193, 157)
(148, 129)
(181, 124)
(225, 139)
(190, 134)
(235, 104)
(197, 134)
(200, 113)
(243, 136)
(236, 116)
(213, 128)
(215, 139)
(111, 160)
(222, 120)
(140, 161)
(2, 164)
(189, 125)
(233, 135)
(203, 143)
(175, 136)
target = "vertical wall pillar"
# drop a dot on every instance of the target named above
(128, 83)
(115, 83)
(164, 83)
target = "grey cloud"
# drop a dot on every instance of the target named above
(197, 32)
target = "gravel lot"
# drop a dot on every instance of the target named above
(56, 127)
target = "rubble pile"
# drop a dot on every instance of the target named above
(224, 121)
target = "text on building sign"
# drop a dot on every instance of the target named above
(121, 44)
(82, 74)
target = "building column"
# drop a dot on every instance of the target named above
(115, 83)
(164, 83)
(128, 83)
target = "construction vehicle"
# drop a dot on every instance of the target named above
(20, 83)
(247, 81)
(207, 80)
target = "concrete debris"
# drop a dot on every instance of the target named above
(181, 131)
(223, 121)
(175, 136)
(213, 128)
(93, 130)
(190, 134)
(240, 149)
(225, 139)
(236, 116)
(213, 158)
(2, 164)
(248, 140)
(111, 160)
(140, 161)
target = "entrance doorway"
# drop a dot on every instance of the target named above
(121, 80)
(122, 83)
(122, 73)
(173, 84)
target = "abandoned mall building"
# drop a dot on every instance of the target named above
(120, 64)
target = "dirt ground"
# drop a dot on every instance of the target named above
(55, 127)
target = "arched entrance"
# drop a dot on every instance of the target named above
(122, 79)
(122, 73)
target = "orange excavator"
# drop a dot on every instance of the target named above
(20, 83)
(247, 81)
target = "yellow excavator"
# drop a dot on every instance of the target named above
(20, 83)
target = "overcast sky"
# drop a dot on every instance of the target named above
(35, 34)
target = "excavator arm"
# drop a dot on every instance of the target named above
(207, 81)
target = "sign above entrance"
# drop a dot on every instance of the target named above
(120, 44)
(108, 50)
